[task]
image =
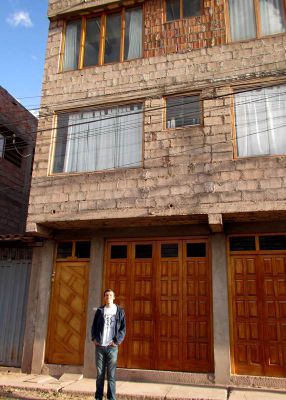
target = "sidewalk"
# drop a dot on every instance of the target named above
(72, 384)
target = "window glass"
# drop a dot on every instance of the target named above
(99, 140)
(169, 250)
(196, 249)
(143, 251)
(82, 249)
(242, 19)
(72, 43)
(191, 8)
(272, 17)
(2, 142)
(64, 250)
(133, 34)
(183, 111)
(112, 38)
(118, 251)
(172, 10)
(260, 118)
(273, 242)
(242, 243)
(92, 42)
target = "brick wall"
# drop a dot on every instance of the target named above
(15, 181)
(186, 171)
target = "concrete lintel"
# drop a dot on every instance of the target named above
(215, 223)
(39, 230)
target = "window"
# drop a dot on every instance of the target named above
(73, 249)
(2, 143)
(183, 111)
(99, 139)
(176, 9)
(12, 147)
(106, 39)
(260, 118)
(255, 18)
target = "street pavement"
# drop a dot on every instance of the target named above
(73, 384)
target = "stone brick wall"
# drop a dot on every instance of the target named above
(185, 171)
(15, 181)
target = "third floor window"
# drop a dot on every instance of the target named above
(103, 39)
(178, 9)
(255, 18)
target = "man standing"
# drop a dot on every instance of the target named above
(107, 332)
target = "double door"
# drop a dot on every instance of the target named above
(165, 289)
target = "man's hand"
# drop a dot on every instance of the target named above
(112, 344)
(95, 343)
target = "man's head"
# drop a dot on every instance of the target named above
(109, 297)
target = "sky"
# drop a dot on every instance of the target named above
(23, 33)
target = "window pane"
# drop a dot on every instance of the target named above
(118, 251)
(72, 42)
(169, 250)
(196, 249)
(82, 249)
(242, 243)
(277, 242)
(143, 251)
(61, 142)
(64, 250)
(2, 141)
(92, 40)
(183, 111)
(260, 118)
(272, 17)
(133, 34)
(242, 19)
(112, 38)
(172, 10)
(191, 8)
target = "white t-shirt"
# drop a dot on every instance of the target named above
(109, 324)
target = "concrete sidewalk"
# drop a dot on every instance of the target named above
(72, 384)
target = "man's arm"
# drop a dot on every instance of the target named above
(122, 329)
(93, 327)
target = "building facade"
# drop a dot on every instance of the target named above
(17, 142)
(160, 172)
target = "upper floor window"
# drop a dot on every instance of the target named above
(177, 9)
(255, 18)
(99, 139)
(260, 119)
(2, 142)
(183, 111)
(12, 147)
(105, 39)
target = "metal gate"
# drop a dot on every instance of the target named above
(15, 266)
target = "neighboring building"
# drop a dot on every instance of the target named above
(17, 141)
(160, 172)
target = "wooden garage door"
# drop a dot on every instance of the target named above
(258, 288)
(165, 288)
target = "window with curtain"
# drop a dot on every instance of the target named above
(176, 9)
(106, 39)
(255, 18)
(183, 111)
(260, 121)
(99, 139)
(2, 142)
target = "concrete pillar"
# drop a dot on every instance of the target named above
(94, 300)
(220, 309)
(38, 307)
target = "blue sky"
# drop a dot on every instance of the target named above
(23, 32)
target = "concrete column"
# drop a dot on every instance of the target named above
(94, 300)
(38, 306)
(220, 309)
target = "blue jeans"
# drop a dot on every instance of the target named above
(106, 359)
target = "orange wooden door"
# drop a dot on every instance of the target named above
(258, 287)
(67, 323)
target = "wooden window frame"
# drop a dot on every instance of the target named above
(72, 257)
(101, 54)
(181, 12)
(182, 95)
(257, 22)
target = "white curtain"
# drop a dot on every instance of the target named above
(261, 121)
(242, 19)
(2, 141)
(135, 34)
(272, 16)
(71, 45)
(104, 139)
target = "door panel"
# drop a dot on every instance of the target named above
(68, 314)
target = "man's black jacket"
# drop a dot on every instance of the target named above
(98, 325)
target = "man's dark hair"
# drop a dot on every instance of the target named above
(108, 290)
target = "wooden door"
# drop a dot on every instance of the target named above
(67, 323)
(258, 288)
(166, 293)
